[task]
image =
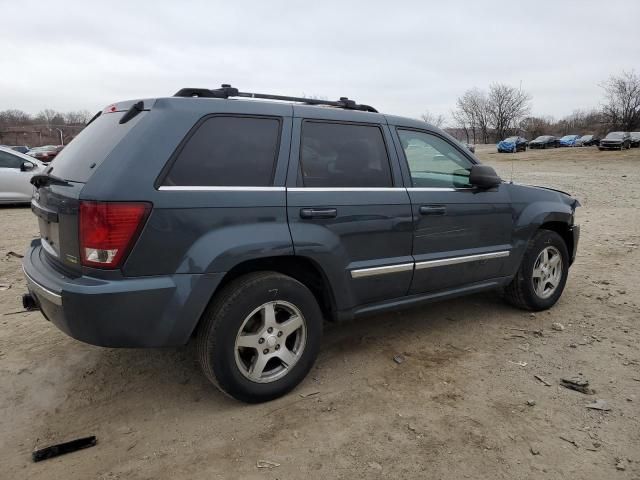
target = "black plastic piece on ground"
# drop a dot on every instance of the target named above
(62, 448)
(226, 91)
(29, 302)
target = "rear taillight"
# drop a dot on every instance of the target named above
(108, 231)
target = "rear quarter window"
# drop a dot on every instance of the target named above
(226, 151)
(78, 160)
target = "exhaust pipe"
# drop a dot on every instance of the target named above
(29, 302)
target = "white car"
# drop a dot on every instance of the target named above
(16, 170)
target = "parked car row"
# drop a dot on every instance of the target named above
(45, 153)
(613, 141)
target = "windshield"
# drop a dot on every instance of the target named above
(586, 137)
(543, 138)
(615, 135)
(511, 139)
(635, 134)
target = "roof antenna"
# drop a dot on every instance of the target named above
(512, 162)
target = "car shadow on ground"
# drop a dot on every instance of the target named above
(172, 374)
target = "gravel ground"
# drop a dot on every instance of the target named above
(465, 403)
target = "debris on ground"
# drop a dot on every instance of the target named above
(620, 464)
(531, 403)
(579, 384)
(266, 464)
(568, 440)
(4, 287)
(599, 405)
(520, 364)
(63, 448)
(399, 358)
(558, 327)
(375, 465)
(11, 253)
(542, 380)
(309, 394)
(534, 451)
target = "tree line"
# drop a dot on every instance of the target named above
(484, 116)
(46, 118)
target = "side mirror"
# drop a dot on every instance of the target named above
(26, 166)
(484, 176)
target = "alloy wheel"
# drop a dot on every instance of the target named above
(547, 272)
(270, 341)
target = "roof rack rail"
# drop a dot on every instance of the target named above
(226, 91)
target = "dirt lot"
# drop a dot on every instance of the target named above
(464, 404)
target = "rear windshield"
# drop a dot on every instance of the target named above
(78, 160)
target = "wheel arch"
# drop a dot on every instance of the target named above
(303, 269)
(564, 230)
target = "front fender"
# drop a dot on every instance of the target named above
(534, 207)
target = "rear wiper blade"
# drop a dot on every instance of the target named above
(43, 179)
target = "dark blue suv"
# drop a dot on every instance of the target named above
(246, 223)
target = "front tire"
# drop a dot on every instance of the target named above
(260, 336)
(542, 275)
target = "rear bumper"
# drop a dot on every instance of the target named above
(125, 312)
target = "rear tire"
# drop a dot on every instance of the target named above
(540, 280)
(260, 336)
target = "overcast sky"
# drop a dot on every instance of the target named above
(401, 57)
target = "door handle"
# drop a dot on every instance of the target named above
(433, 210)
(318, 212)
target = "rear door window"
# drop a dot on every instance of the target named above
(343, 155)
(227, 151)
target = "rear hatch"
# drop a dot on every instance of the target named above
(56, 201)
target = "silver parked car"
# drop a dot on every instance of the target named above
(16, 170)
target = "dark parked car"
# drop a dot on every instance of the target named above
(635, 139)
(45, 153)
(512, 144)
(569, 140)
(544, 141)
(615, 141)
(246, 223)
(19, 148)
(587, 141)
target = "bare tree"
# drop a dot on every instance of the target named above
(11, 118)
(507, 106)
(462, 121)
(80, 117)
(49, 117)
(437, 120)
(473, 108)
(535, 126)
(622, 96)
